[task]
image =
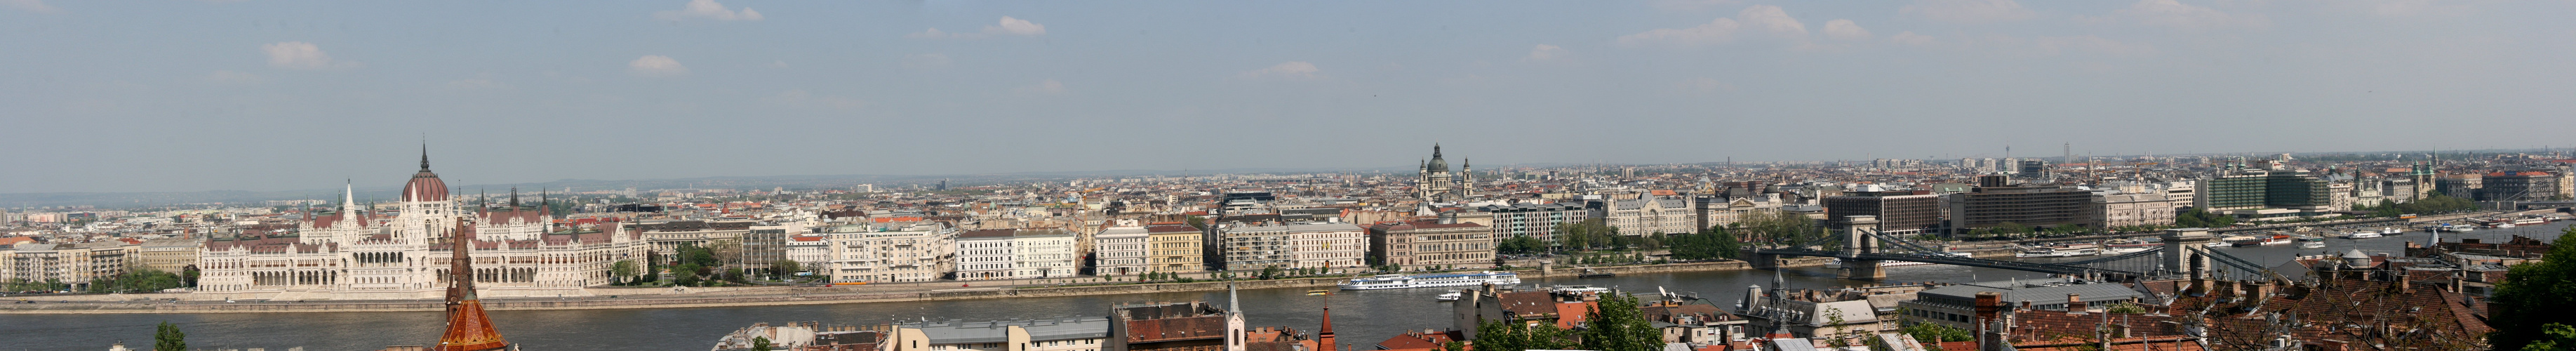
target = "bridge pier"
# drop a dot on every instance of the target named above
(2187, 251)
(1856, 269)
(1857, 240)
(1760, 260)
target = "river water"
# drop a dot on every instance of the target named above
(1363, 317)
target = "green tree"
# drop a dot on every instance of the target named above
(1616, 324)
(1716, 242)
(2198, 218)
(1777, 227)
(1498, 335)
(1520, 245)
(624, 271)
(1934, 333)
(2535, 295)
(785, 268)
(169, 338)
(2560, 337)
(1586, 234)
(685, 275)
(759, 343)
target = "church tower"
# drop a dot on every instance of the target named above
(1436, 181)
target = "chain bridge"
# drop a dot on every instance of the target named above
(2183, 253)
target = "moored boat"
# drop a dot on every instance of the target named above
(2361, 235)
(1404, 281)
(2066, 250)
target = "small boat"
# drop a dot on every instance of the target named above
(1318, 292)
(2391, 231)
(2361, 235)
(1452, 295)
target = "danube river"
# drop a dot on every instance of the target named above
(1365, 317)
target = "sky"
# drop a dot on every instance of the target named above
(131, 96)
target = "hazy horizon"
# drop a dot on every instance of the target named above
(269, 95)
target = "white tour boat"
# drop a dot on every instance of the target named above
(1435, 280)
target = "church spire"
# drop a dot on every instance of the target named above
(514, 199)
(348, 200)
(424, 156)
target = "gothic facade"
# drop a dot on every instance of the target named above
(357, 254)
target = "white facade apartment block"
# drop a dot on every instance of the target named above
(1044, 254)
(1014, 254)
(1335, 246)
(812, 252)
(911, 253)
(1119, 251)
(985, 254)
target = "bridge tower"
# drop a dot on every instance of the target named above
(2187, 251)
(1861, 238)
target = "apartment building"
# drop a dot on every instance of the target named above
(1015, 254)
(1330, 246)
(75, 264)
(893, 252)
(2133, 210)
(1898, 212)
(1530, 220)
(1120, 251)
(1418, 245)
(1240, 246)
(1994, 203)
(1174, 248)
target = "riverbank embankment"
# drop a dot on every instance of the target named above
(756, 296)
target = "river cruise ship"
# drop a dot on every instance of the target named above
(1435, 280)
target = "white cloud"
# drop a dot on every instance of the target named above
(1008, 26)
(301, 55)
(234, 77)
(656, 66)
(1771, 19)
(1545, 53)
(1049, 86)
(1968, 11)
(1289, 70)
(1763, 18)
(800, 98)
(1015, 26)
(1909, 38)
(2170, 13)
(1845, 30)
(37, 6)
(708, 9)
(926, 61)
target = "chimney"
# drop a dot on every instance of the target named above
(1988, 309)
(2075, 304)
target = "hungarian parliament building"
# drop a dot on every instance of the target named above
(364, 255)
